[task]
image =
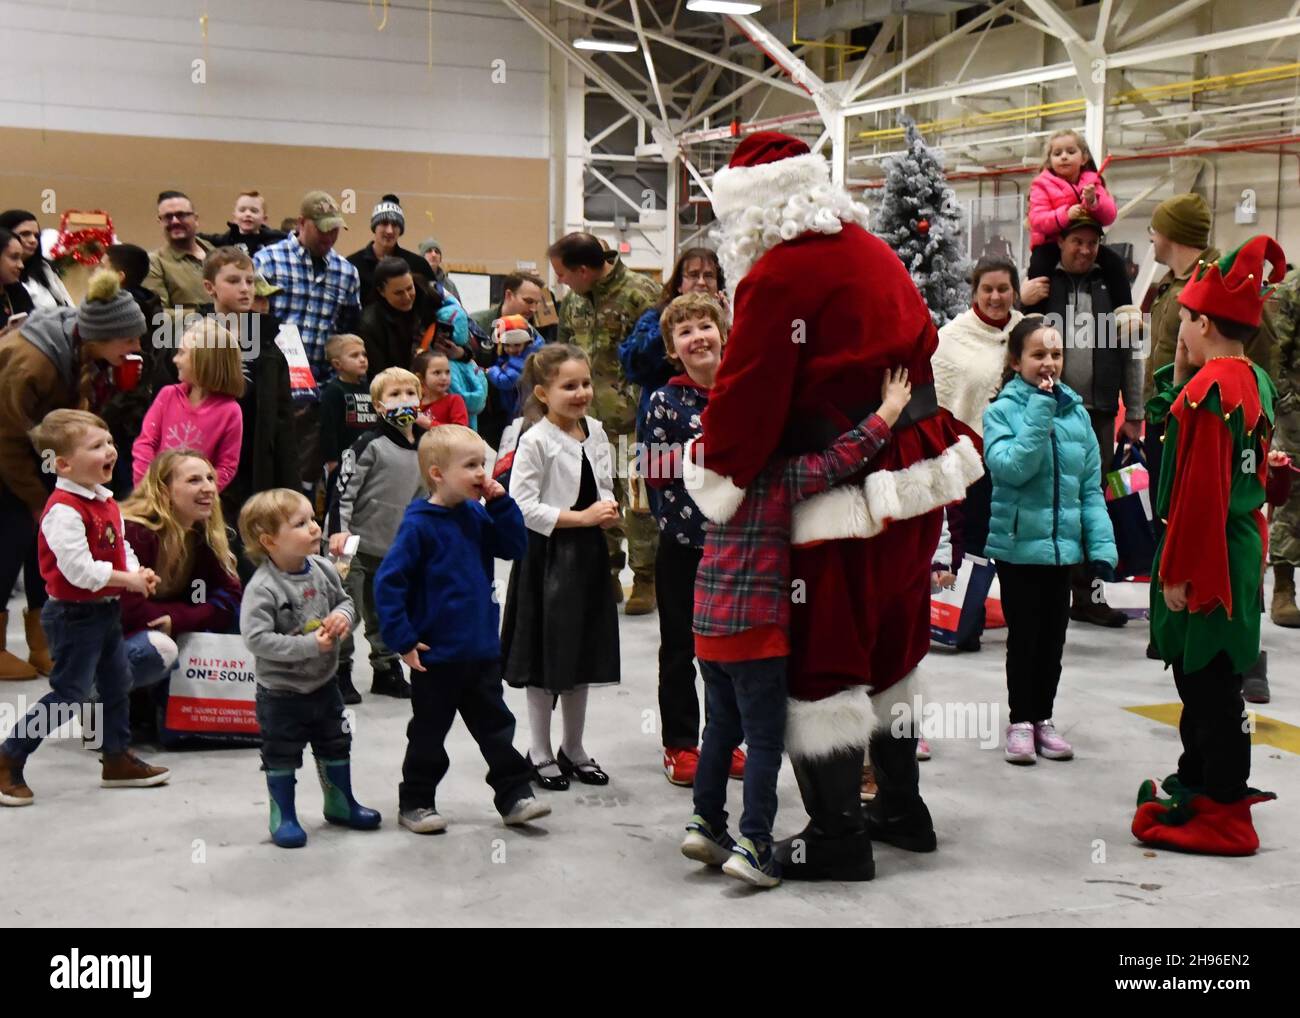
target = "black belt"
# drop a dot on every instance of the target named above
(819, 432)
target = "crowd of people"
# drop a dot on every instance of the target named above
(322, 440)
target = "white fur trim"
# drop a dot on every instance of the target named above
(859, 512)
(819, 728)
(717, 497)
(901, 692)
(740, 187)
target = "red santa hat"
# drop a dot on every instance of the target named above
(766, 169)
(1235, 286)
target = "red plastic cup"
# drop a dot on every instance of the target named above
(126, 376)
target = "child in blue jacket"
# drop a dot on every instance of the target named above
(517, 341)
(1048, 514)
(434, 593)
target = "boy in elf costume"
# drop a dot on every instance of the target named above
(1206, 596)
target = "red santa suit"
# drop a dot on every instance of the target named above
(823, 308)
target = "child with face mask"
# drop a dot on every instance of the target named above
(379, 476)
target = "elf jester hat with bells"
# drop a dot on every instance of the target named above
(1237, 396)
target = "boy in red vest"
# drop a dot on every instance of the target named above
(86, 563)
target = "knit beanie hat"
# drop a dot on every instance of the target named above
(108, 312)
(513, 329)
(389, 210)
(1184, 219)
(430, 244)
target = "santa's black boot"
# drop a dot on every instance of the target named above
(898, 815)
(834, 845)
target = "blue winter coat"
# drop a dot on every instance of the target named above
(1041, 453)
(504, 376)
(645, 361)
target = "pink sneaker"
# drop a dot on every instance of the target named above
(1020, 743)
(1049, 744)
(922, 749)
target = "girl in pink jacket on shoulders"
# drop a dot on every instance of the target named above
(1069, 188)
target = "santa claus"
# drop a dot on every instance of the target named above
(822, 310)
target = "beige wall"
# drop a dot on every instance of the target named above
(488, 212)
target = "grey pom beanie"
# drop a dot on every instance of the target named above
(108, 312)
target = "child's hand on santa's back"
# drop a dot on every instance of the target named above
(895, 394)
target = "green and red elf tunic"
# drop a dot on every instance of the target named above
(1213, 484)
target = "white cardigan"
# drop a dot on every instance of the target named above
(547, 471)
(968, 366)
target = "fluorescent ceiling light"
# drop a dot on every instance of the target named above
(723, 7)
(605, 45)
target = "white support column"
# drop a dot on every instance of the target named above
(837, 127)
(672, 229)
(1092, 70)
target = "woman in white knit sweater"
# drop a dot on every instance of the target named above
(967, 375)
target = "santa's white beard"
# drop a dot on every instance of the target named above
(743, 236)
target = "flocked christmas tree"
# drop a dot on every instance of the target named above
(920, 219)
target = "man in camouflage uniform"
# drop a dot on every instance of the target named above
(1284, 533)
(605, 299)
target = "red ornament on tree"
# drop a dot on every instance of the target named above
(923, 226)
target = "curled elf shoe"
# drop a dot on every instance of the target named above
(1173, 787)
(588, 772)
(1201, 825)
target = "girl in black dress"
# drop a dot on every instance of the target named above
(560, 632)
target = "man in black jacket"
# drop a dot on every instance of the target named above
(1101, 364)
(387, 224)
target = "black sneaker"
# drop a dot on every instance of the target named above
(391, 681)
(349, 691)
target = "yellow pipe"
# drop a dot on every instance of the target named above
(794, 37)
(1063, 106)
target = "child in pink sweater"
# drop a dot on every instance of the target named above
(1068, 188)
(201, 412)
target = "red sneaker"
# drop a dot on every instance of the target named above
(680, 766)
(737, 771)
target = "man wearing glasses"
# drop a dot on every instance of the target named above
(176, 268)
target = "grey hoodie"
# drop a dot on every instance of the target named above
(50, 330)
(278, 618)
(379, 476)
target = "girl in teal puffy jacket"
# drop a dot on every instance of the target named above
(1048, 513)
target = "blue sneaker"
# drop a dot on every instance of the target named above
(702, 844)
(753, 865)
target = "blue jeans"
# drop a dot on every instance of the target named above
(744, 700)
(85, 639)
(289, 721)
(147, 668)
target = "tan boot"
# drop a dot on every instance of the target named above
(12, 669)
(1283, 610)
(13, 789)
(126, 770)
(642, 599)
(38, 651)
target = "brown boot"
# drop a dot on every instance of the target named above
(616, 585)
(1283, 610)
(126, 770)
(642, 600)
(12, 669)
(38, 651)
(13, 789)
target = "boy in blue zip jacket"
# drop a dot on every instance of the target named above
(517, 340)
(435, 598)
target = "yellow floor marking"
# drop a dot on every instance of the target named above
(1268, 731)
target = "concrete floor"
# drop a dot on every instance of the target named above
(1047, 845)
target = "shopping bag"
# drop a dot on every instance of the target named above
(1135, 539)
(212, 692)
(955, 610)
(302, 383)
(1128, 469)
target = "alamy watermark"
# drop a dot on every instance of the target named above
(936, 719)
(169, 327)
(47, 721)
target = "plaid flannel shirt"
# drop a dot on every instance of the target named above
(310, 300)
(743, 582)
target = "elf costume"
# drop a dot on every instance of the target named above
(1213, 481)
(822, 310)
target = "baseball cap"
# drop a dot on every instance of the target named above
(321, 208)
(1088, 221)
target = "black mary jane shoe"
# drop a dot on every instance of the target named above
(556, 784)
(588, 772)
